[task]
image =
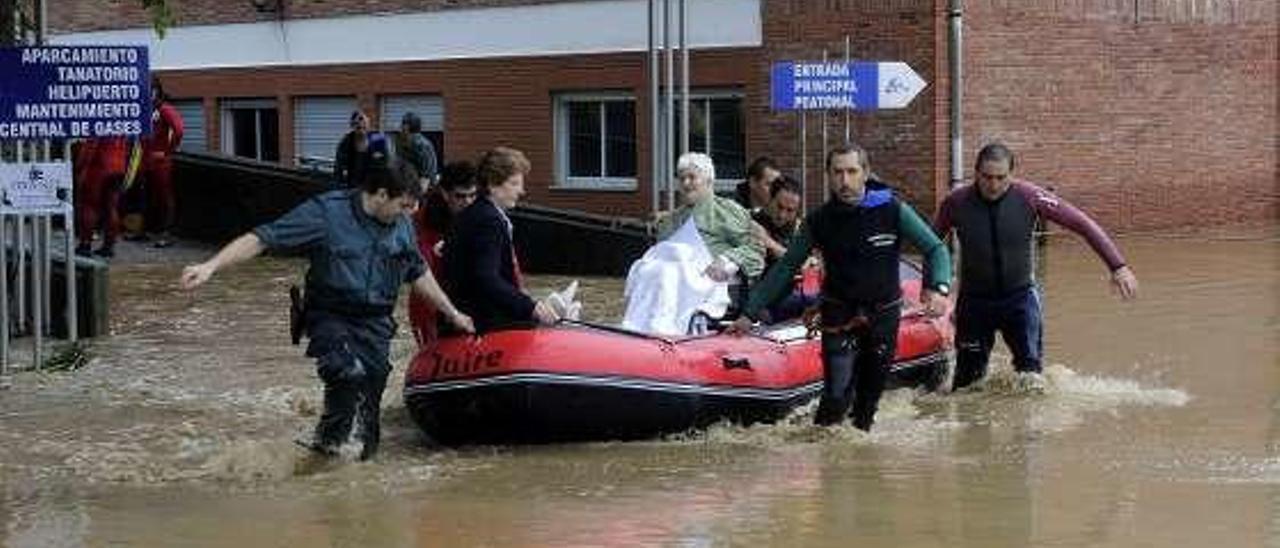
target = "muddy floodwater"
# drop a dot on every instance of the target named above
(1160, 426)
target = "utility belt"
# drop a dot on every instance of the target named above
(834, 316)
(300, 306)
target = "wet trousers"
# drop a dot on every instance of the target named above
(1017, 317)
(855, 364)
(351, 356)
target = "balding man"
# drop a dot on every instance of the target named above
(994, 220)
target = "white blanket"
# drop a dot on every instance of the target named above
(667, 285)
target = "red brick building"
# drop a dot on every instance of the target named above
(1149, 113)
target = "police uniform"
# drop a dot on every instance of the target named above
(861, 293)
(357, 267)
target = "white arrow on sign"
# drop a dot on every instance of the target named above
(898, 85)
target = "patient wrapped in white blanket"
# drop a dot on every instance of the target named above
(668, 285)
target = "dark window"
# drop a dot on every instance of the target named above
(255, 133)
(620, 132)
(716, 128)
(600, 138)
(584, 139)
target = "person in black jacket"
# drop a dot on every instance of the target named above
(860, 231)
(481, 271)
(353, 156)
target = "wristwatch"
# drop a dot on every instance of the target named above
(942, 289)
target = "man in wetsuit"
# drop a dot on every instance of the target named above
(994, 220)
(859, 231)
(362, 249)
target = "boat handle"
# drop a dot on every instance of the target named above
(735, 362)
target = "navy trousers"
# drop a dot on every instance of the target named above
(855, 365)
(1017, 317)
(351, 356)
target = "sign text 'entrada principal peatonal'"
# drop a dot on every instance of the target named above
(69, 92)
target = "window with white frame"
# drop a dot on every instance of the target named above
(251, 129)
(717, 128)
(596, 141)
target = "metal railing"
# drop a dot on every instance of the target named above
(27, 234)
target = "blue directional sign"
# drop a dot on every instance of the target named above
(68, 92)
(857, 85)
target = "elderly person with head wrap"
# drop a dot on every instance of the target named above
(724, 225)
(706, 254)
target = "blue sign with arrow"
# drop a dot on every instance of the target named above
(856, 85)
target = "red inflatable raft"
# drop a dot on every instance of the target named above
(582, 381)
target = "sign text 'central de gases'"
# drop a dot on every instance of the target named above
(71, 92)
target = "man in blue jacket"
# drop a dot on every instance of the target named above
(362, 249)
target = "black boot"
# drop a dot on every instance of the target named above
(863, 423)
(319, 448)
(369, 451)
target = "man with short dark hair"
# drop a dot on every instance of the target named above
(779, 219)
(361, 249)
(859, 231)
(994, 220)
(753, 193)
(456, 191)
(776, 223)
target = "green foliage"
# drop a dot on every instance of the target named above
(161, 15)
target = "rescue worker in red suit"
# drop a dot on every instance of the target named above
(456, 191)
(100, 170)
(157, 161)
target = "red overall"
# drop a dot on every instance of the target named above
(157, 163)
(100, 165)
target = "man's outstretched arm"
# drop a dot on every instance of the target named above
(1061, 212)
(239, 250)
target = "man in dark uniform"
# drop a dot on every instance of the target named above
(362, 249)
(859, 231)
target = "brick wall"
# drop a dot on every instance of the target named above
(903, 144)
(87, 15)
(1149, 113)
(1154, 114)
(487, 102)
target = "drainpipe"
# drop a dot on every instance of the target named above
(655, 142)
(669, 100)
(42, 21)
(955, 13)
